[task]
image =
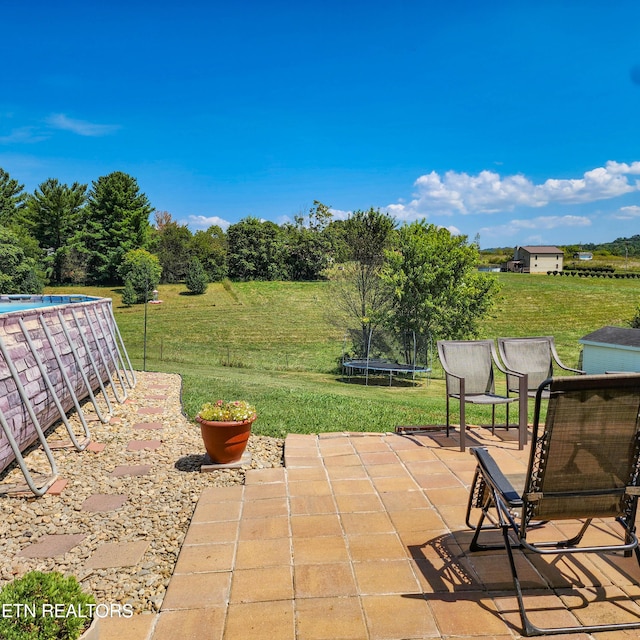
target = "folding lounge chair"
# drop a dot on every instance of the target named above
(537, 357)
(584, 465)
(470, 377)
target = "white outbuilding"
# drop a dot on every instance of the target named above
(611, 349)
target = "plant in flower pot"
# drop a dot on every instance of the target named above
(46, 606)
(225, 428)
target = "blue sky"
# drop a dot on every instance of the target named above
(515, 120)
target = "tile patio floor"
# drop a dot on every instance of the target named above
(362, 536)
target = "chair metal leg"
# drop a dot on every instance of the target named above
(528, 628)
(447, 415)
(463, 425)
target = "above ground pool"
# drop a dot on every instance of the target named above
(55, 351)
(18, 302)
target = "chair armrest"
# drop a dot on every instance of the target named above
(494, 477)
(504, 369)
(512, 372)
(562, 366)
(580, 371)
(450, 373)
(559, 362)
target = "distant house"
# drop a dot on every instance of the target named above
(536, 259)
(583, 255)
(611, 349)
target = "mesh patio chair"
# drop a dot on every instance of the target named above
(584, 465)
(469, 367)
(537, 357)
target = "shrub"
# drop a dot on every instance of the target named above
(143, 270)
(39, 591)
(129, 295)
(196, 278)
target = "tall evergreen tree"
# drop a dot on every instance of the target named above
(117, 221)
(12, 198)
(52, 215)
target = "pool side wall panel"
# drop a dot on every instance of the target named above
(14, 410)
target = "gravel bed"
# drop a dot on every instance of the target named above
(159, 506)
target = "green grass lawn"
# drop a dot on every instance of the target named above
(275, 344)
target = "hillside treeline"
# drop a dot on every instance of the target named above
(80, 234)
(619, 247)
(417, 282)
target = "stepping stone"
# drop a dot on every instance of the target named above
(148, 425)
(139, 445)
(150, 411)
(117, 554)
(158, 386)
(104, 502)
(57, 487)
(96, 447)
(131, 470)
(156, 397)
(50, 546)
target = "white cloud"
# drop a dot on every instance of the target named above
(80, 127)
(339, 214)
(627, 213)
(204, 222)
(623, 167)
(552, 222)
(488, 192)
(518, 226)
(22, 135)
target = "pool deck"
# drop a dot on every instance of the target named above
(362, 536)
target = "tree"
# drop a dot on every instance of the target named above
(129, 295)
(368, 234)
(142, 269)
(52, 216)
(210, 247)
(336, 234)
(437, 291)
(309, 247)
(196, 278)
(117, 221)
(18, 273)
(256, 251)
(12, 198)
(171, 243)
(358, 289)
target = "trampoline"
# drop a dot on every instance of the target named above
(362, 366)
(380, 362)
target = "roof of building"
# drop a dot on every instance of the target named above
(541, 249)
(622, 336)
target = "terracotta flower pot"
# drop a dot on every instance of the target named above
(225, 442)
